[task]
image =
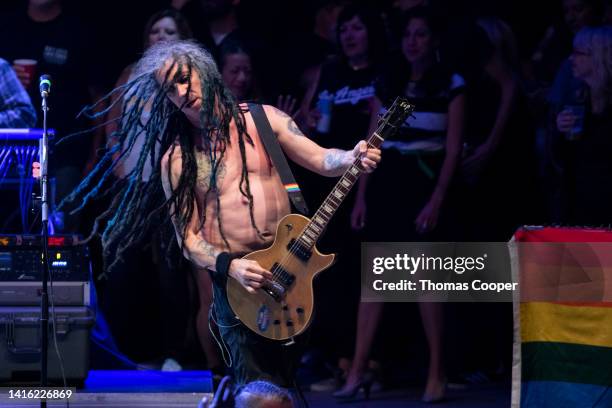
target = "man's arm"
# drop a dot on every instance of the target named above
(308, 154)
(194, 247)
(16, 110)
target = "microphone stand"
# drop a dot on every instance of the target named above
(44, 299)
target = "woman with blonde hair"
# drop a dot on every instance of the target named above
(589, 127)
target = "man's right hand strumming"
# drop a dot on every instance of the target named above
(249, 273)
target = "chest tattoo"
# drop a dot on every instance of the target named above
(205, 170)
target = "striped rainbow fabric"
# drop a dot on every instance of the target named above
(562, 350)
(292, 187)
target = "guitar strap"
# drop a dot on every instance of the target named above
(277, 156)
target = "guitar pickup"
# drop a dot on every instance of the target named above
(282, 276)
(299, 250)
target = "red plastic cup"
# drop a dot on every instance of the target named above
(28, 71)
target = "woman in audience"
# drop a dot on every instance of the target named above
(554, 48)
(589, 126)
(165, 25)
(236, 70)
(345, 84)
(426, 156)
(336, 112)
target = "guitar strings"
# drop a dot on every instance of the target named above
(296, 244)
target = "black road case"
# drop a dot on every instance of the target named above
(20, 344)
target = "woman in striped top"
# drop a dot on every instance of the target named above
(420, 163)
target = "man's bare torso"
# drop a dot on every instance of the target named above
(270, 201)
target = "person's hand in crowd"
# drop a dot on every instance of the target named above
(288, 104)
(565, 121)
(474, 163)
(23, 75)
(249, 274)
(358, 215)
(427, 219)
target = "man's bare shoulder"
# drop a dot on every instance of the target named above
(281, 122)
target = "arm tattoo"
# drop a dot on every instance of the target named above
(291, 126)
(334, 160)
(207, 249)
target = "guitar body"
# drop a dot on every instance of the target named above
(280, 312)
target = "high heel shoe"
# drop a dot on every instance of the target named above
(364, 383)
(436, 396)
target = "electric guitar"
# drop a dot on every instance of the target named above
(283, 307)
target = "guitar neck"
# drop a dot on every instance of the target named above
(321, 218)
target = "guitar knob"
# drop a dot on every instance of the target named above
(300, 310)
(289, 323)
(285, 307)
(276, 322)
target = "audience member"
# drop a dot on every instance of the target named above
(60, 45)
(165, 25)
(337, 108)
(311, 49)
(345, 84)
(426, 155)
(220, 23)
(236, 70)
(16, 110)
(588, 127)
(566, 89)
(555, 47)
(262, 394)
(492, 89)
(497, 176)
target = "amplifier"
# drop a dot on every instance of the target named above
(28, 293)
(21, 270)
(20, 258)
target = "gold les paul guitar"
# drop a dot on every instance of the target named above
(283, 307)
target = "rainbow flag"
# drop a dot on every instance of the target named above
(292, 187)
(563, 350)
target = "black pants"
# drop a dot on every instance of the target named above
(250, 356)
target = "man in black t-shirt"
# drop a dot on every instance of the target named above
(60, 45)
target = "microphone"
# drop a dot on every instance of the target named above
(45, 85)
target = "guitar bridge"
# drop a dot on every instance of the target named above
(275, 290)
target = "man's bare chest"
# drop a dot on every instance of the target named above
(225, 170)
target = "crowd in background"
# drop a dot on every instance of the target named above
(513, 126)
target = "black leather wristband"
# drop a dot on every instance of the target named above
(222, 263)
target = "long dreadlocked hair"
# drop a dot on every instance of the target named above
(149, 115)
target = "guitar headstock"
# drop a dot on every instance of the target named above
(395, 116)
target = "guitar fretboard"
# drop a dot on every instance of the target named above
(321, 218)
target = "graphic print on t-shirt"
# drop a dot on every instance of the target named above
(348, 94)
